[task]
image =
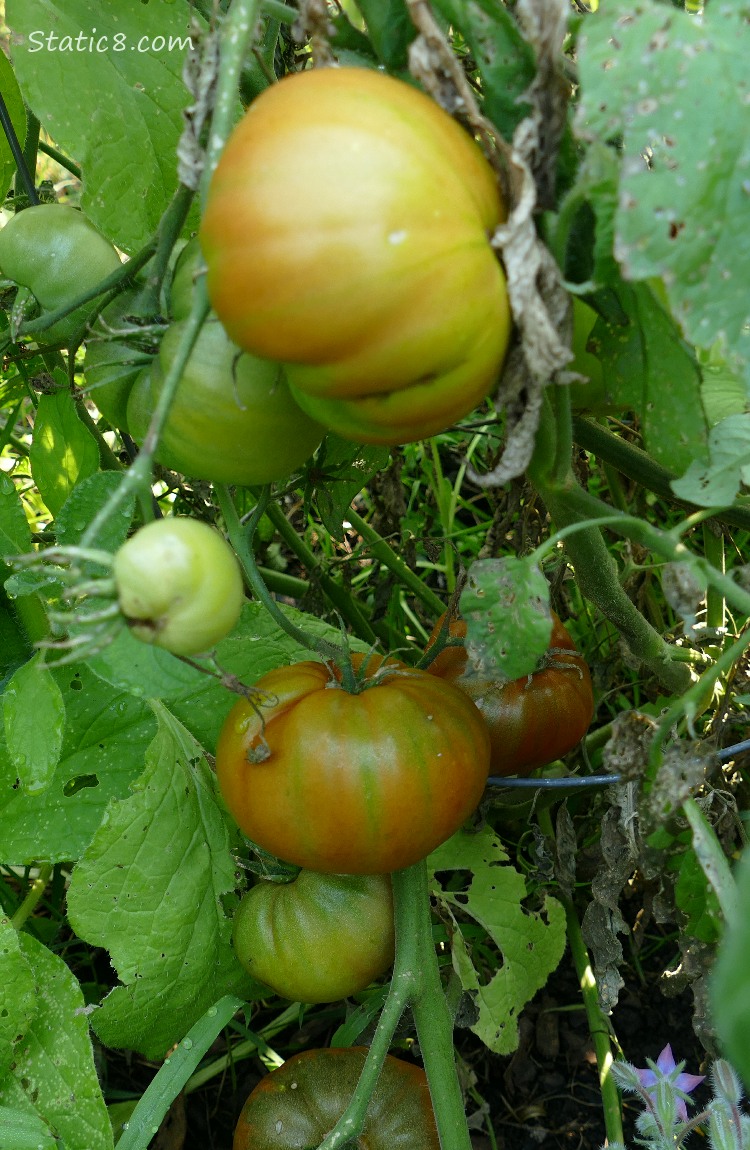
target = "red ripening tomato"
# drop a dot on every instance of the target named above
(347, 235)
(533, 720)
(345, 783)
(294, 1107)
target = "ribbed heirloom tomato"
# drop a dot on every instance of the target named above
(346, 783)
(318, 938)
(346, 234)
(293, 1108)
(534, 720)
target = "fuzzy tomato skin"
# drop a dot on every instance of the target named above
(531, 721)
(347, 230)
(179, 585)
(294, 1107)
(233, 419)
(318, 938)
(58, 254)
(353, 783)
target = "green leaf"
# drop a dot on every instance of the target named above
(649, 368)
(54, 1077)
(104, 743)
(162, 858)
(84, 503)
(505, 59)
(13, 99)
(120, 95)
(531, 943)
(390, 29)
(716, 483)
(501, 598)
(17, 995)
(63, 451)
(24, 1130)
(696, 899)
(15, 533)
(730, 985)
(34, 716)
(347, 467)
(678, 90)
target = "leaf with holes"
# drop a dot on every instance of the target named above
(530, 942)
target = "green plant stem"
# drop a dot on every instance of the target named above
(691, 701)
(388, 557)
(137, 479)
(432, 1016)
(595, 568)
(107, 457)
(30, 148)
(598, 1025)
(161, 1092)
(167, 233)
(713, 547)
(415, 982)
(338, 596)
(59, 158)
(236, 32)
(636, 464)
(241, 539)
(278, 11)
(242, 1050)
(34, 894)
(125, 272)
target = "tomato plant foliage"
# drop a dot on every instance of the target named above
(322, 401)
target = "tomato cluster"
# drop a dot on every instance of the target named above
(534, 720)
(347, 235)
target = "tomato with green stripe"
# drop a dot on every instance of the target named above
(361, 781)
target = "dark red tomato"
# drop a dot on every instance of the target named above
(346, 783)
(294, 1107)
(318, 938)
(534, 720)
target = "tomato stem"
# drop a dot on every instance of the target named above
(429, 1005)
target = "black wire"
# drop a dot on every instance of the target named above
(583, 781)
(17, 151)
(577, 781)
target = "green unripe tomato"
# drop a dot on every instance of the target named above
(112, 365)
(179, 585)
(55, 252)
(183, 280)
(319, 938)
(233, 419)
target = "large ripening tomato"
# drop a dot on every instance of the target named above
(353, 783)
(294, 1107)
(58, 254)
(233, 419)
(534, 720)
(318, 938)
(179, 585)
(347, 234)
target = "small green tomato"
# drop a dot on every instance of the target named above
(179, 585)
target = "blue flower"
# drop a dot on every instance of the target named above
(666, 1067)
